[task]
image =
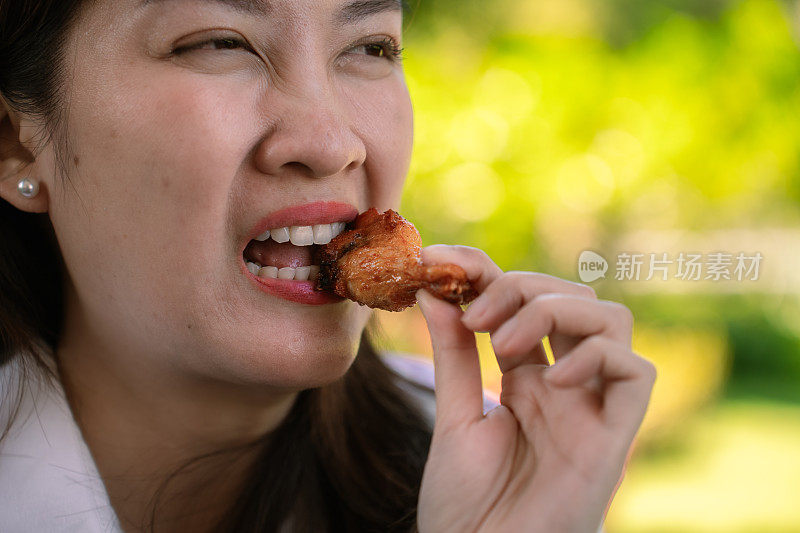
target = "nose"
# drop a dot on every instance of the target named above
(311, 136)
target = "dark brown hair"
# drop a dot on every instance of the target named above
(348, 457)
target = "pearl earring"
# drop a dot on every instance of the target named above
(28, 188)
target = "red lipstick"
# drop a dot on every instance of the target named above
(295, 291)
(323, 212)
(305, 215)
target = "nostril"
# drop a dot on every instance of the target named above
(300, 168)
(354, 165)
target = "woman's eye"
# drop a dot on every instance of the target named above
(386, 48)
(217, 54)
(226, 43)
(373, 50)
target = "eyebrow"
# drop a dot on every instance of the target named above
(250, 7)
(361, 9)
(349, 14)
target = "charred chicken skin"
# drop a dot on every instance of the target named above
(377, 262)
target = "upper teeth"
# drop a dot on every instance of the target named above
(304, 235)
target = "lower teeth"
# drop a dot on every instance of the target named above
(302, 273)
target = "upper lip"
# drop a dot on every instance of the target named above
(321, 212)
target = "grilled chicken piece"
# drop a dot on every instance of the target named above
(377, 262)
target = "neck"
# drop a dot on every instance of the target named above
(143, 422)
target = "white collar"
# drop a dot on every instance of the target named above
(48, 479)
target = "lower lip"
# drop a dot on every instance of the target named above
(301, 292)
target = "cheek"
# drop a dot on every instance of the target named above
(385, 121)
(150, 202)
(388, 119)
(156, 171)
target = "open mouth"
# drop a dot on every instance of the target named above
(288, 252)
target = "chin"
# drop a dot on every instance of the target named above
(318, 360)
(279, 350)
(302, 362)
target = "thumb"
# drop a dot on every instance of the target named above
(459, 393)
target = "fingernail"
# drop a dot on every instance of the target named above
(474, 312)
(420, 296)
(504, 333)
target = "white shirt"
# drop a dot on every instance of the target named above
(48, 479)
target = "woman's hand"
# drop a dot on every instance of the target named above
(550, 456)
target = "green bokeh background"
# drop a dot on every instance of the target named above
(545, 128)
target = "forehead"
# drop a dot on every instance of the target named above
(345, 11)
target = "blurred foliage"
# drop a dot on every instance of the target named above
(734, 469)
(548, 127)
(692, 367)
(581, 140)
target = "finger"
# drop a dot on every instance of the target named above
(560, 314)
(626, 378)
(562, 344)
(525, 392)
(506, 294)
(457, 372)
(483, 273)
(480, 268)
(536, 356)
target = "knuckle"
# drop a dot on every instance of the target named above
(539, 280)
(521, 282)
(472, 252)
(539, 284)
(512, 278)
(435, 253)
(547, 300)
(437, 248)
(649, 369)
(586, 291)
(542, 308)
(623, 314)
(444, 250)
(595, 344)
(479, 258)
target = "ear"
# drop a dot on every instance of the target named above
(17, 162)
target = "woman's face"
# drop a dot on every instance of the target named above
(191, 121)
